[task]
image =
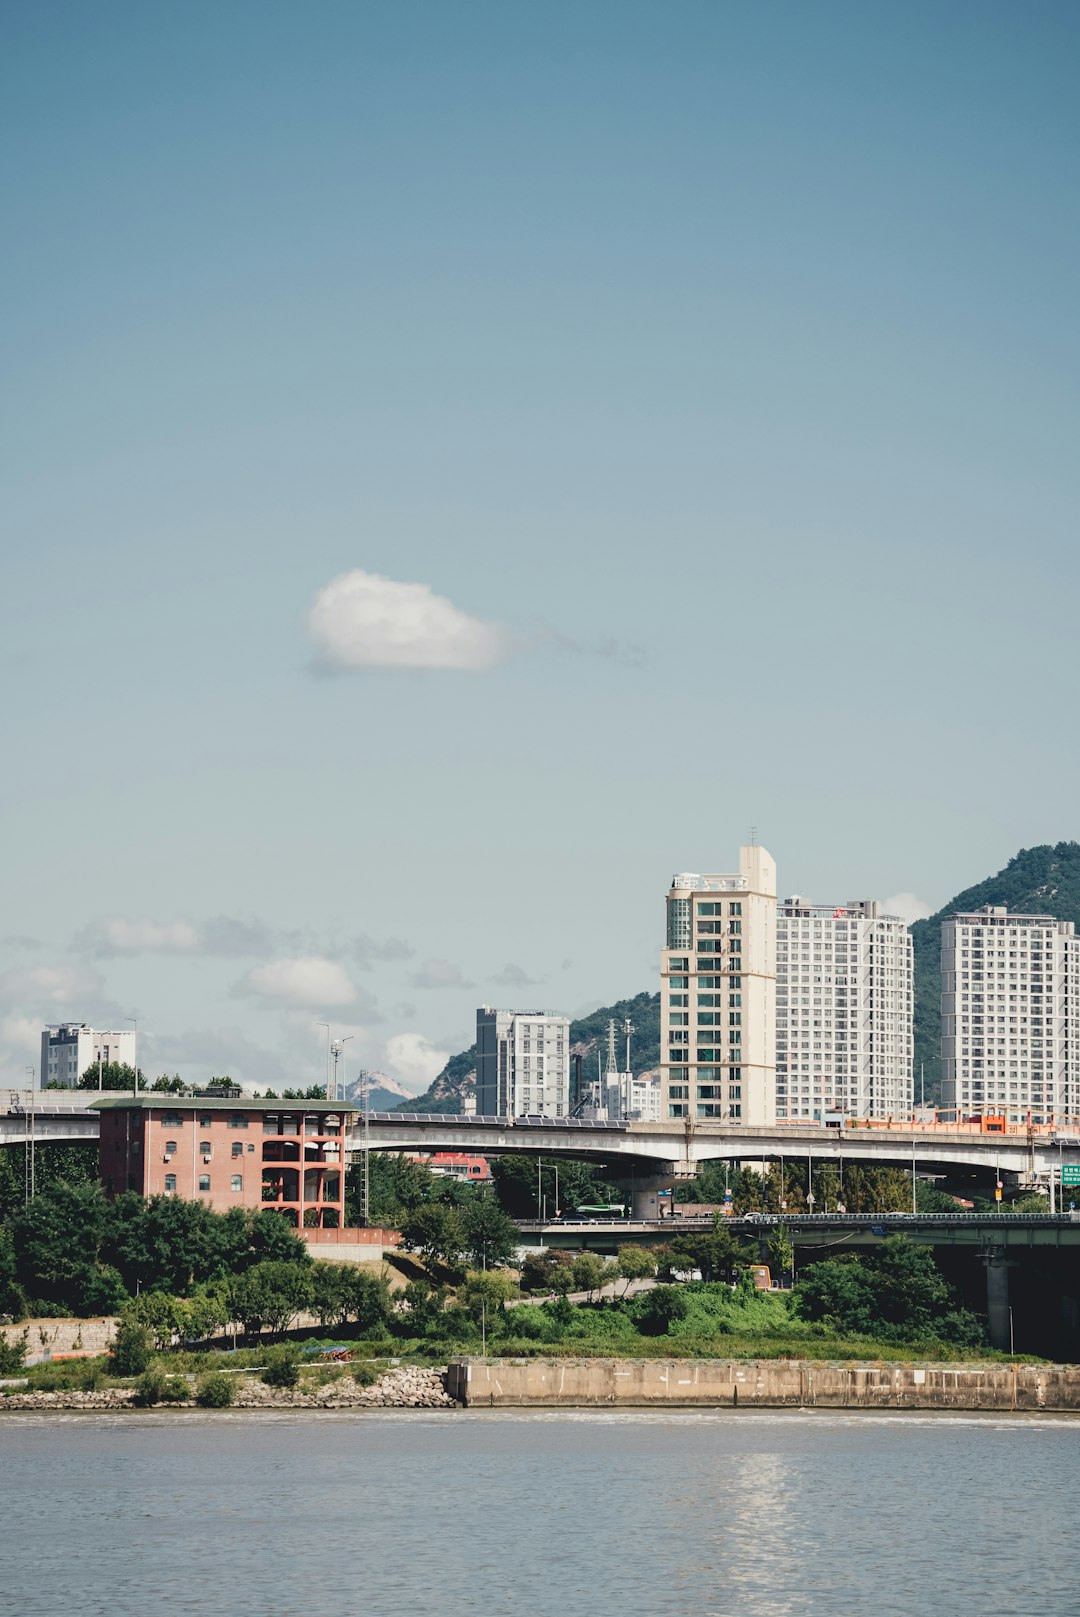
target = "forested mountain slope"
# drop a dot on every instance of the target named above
(1042, 881)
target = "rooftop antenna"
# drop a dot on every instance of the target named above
(752, 833)
(612, 1064)
(628, 1028)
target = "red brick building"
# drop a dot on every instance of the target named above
(456, 1165)
(229, 1152)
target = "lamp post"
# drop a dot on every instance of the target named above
(326, 1025)
(365, 1078)
(134, 1020)
(30, 1183)
(335, 1050)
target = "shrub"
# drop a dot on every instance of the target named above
(12, 1354)
(282, 1367)
(131, 1348)
(175, 1390)
(661, 1309)
(215, 1391)
(150, 1387)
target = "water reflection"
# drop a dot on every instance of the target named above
(697, 1514)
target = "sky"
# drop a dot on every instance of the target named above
(465, 463)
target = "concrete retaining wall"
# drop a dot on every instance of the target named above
(350, 1245)
(712, 1383)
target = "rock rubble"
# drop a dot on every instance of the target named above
(406, 1386)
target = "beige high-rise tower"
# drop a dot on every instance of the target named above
(718, 994)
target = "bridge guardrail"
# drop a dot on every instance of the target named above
(812, 1220)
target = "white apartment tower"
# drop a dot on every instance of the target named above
(522, 1063)
(68, 1048)
(1010, 1015)
(844, 1011)
(718, 994)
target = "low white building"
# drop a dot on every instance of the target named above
(68, 1048)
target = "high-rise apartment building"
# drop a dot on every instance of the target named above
(522, 1063)
(1010, 1014)
(68, 1048)
(718, 994)
(844, 1011)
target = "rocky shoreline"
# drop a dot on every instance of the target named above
(404, 1387)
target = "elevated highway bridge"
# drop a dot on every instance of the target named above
(647, 1155)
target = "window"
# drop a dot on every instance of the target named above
(204, 1181)
(204, 1147)
(170, 1148)
(237, 1149)
(237, 1120)
(206, 1122)
(170, 1184)
(171, 1120)
(236, 1182)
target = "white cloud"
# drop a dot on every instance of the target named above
(50, 985)
(366, 951)
(21, 1033)
(512, 976)
(223, 935)
(907, 906)
(362, 620)
(20, 1047)
(439, 974)
(123, 934)
(414, 1059)
(201, 1054)
(310, 980)
(228, 936)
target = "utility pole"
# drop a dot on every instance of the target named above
(30, 1162)
(365, 1100)
(335, 1049)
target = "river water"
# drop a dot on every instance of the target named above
(544, 1514)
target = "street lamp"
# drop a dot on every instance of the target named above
(134, 1020)
(326, 1025)
(336, 1049)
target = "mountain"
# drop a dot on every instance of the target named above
(587, 1034)
(386, 1093)
(1043, 881)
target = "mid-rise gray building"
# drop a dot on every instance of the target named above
(522, 1063)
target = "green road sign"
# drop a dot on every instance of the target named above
(1070, 1173)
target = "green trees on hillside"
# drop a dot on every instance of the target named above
(1044, 880)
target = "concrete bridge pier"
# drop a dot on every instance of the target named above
(642, 1191)
(997, 1298)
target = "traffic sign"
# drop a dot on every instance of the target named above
(1070, 1173)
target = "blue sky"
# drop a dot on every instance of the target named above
(711, 370)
